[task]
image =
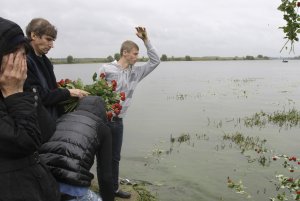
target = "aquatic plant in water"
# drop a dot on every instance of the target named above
(157, 153)
(288, 119)
(246, 143)
(258, 119)
(184, 137)
(237, 187)
(287, 186)
(144, 194)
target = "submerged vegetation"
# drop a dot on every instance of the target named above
(238, 187)
(288, 119)
(144, 194)
(247, 143)
(254, 148)
(287, 187)
(157, 153)
(139, 187)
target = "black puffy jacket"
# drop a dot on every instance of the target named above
(71, 150)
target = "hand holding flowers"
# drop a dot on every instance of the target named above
(99, 87)
(78, 93)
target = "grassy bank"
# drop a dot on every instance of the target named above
(139, 191)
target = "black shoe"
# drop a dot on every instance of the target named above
(122, 194)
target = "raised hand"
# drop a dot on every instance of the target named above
(142, 33)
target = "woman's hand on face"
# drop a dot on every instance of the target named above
(13, 73)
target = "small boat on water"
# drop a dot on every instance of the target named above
(284, 61)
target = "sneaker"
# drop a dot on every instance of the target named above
(122, 194)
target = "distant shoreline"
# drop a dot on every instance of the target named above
(208, 58)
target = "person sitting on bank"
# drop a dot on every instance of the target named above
(70, 152)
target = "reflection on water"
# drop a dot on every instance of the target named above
(175, 128)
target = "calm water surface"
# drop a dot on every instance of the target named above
(205, 101)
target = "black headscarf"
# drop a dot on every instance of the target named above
(11, 35)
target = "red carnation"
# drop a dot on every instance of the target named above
(117, 111)
(61, 82)
(102, 75)
(117, 105)
(114, 83)
(67, 81)
(109, 115)
(122, 94)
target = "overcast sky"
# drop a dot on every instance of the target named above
(96, 28)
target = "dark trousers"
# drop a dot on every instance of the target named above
(116, 128)
(104, 165)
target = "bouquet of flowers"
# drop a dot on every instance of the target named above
(99, 87)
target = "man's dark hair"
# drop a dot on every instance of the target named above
(41, 27)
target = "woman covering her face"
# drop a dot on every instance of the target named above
(22, 175)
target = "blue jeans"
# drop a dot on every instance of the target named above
(89, 196)
(116, 128)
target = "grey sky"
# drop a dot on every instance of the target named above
(96, 28)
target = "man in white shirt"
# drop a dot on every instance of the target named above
(127, 77)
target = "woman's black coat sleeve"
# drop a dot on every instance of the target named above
(19, 130)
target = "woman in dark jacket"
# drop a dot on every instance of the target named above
(79, 137)
(22, 176)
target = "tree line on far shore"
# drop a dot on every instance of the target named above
(71, 60)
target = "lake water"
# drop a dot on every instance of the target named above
(205, 100)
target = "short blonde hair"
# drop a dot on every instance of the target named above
(128, 45)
